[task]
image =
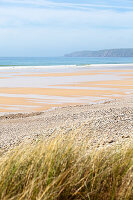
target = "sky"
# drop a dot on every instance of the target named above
(56, 27)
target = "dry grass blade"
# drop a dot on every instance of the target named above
(64, 168)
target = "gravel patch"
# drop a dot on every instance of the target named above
(101, 124)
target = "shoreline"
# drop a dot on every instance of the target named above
(8, 115)
(60, 66)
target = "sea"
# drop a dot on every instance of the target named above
(60, 61)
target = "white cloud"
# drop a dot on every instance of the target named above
(47, 3)
(29, 16)
(32, 17)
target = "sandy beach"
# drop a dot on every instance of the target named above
(35, 104)
(37, 89)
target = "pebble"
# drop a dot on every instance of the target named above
(106, 124)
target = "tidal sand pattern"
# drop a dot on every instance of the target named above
(38, 89)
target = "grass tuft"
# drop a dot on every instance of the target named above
(65, 168)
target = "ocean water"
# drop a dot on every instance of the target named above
(54, 61)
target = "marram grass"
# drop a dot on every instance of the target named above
(64, 168)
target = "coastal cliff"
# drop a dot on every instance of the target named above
(103, 53)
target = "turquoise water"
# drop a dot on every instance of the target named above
(49, 61)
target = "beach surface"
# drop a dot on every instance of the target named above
(102, 124)
(95, 101)
(28, 89)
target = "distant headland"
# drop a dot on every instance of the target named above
(125, 52)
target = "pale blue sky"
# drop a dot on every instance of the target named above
(53, 28)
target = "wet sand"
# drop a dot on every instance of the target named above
(77, 72)
(76, 90)
(118, 84)
(60, 74)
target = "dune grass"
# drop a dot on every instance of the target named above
(64, 168)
